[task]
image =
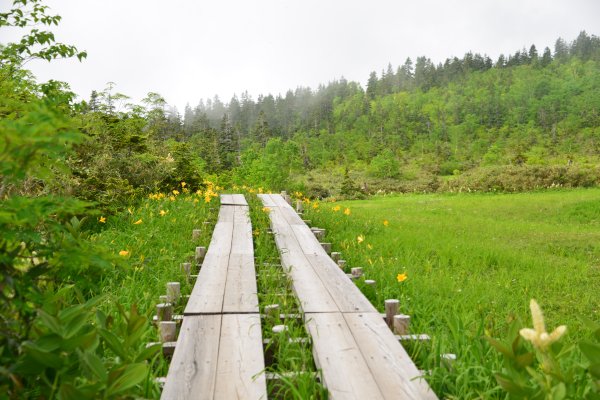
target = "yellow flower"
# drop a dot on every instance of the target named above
(172, 198)
(538, 335)
(139, 221)
(129, 211)
(123, 253)
(370, 247)
(315, 205)
(183, 184)
(360, 238)
(162, 213)
(260, 190)
(175, 192)
(336, 208)
(266, 210)
(385, 222)
(196, 200)
(256, 232)
(402, 277)
(102, 219)
(347, 211)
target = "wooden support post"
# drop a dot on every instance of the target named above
(272, 313)
(163, 298)
(206, 224)
(326, 247)
(200, 254)
(196, 234)
(341, 264)
(306, 221)
(168, 331)
(187, 268)
(173, 292)
(356, 272)
(391, 309)
(299, 206)
(336, 256)
(164, 311)
(401, 324)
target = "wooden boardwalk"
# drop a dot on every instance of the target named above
(359, 356)
(219, 353)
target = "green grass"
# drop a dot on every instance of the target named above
(473, 262)
(155, 248)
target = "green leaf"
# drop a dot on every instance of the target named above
(559, 392)
(113, 343)
(126, 377)
(500, 346)
(524, 360)
(50, 322)
(591, 351)
(148, 352)
(94, 364)
(509, 385)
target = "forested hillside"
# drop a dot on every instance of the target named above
(417, 123)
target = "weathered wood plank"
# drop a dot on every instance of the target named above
(312, 294)
(207, 294)
(225, 214)
(345, 371)
(396, 375)
(242, 232)
(346, 295)
(193, 370)
(233, 200)
(240, 294)
(240, 369)
(267, 200)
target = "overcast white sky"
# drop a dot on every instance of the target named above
(192, 49)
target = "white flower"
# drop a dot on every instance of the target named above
(538, 335)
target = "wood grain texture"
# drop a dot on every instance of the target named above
(396, 375)
(233, 200)
(267, 200)
(208, 291)
(240, 371)
(193, 369)
(345, 372)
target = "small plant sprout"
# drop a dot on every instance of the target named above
(539, 338)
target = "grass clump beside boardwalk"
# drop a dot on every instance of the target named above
(151, 239)
(472, 263)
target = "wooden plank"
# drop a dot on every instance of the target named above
(312, 294)
(240, 294)
(242, 232)
(239, 200)
(193, 369)
(226, 199)
(207, 294)
(345, 372)
(346, 295)
(225, 214)
(267, 200)
(233, 200)
(396, 375)
(240, 369)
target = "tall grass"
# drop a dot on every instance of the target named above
(473, 262)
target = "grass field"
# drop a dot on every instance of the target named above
(473, 263)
